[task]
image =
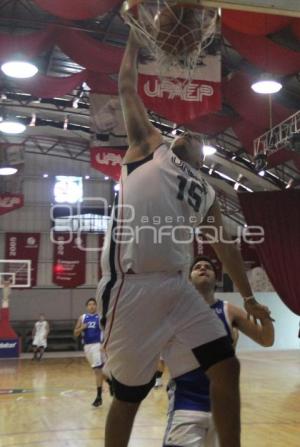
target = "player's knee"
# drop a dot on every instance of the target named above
(214, 352)
(225, 374)
(131, 394)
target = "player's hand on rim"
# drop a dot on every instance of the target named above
(256, 310)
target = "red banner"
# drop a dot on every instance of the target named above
(108, 160)
(69, 260)
(20, 246)
(10, 202)
(178, 100)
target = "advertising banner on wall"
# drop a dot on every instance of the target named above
(108, 160)
(69, 260)
(10, 202)
(19, 246)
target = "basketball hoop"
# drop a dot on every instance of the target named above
(176, 32)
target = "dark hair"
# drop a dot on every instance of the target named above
(203, 258)
(91, 299)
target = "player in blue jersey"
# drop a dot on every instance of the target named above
(88, 326)
(190, 422)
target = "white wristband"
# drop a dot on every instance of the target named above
(248, 298)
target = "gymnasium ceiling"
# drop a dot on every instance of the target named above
(86, 51)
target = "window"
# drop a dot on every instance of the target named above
(68, 189)
(90, 223)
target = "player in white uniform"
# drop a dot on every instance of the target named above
(39, 334)
(145, 297)
(190, 422)
(88, 326)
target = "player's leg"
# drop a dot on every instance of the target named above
(212, 438)
(35, 352)
(133, 348)
(41, 350)
(93, 355)
(202, 331)
(99, 381)
(122, 412)
(186, 428)
(225, 397)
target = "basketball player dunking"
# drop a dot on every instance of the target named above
(146, 299)
(190, 422)
(88, 326)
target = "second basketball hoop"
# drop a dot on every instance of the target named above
(175, 32)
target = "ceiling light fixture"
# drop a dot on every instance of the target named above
(12, 127)
(19, 69)
(7, 170)
(266, 85)
(208, 150)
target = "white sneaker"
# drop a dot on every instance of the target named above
(158, 382)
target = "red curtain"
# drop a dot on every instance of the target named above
(89, 52)
(212, 124)
(264, 53)
(77, 9)
(279, 214)
(254, 23)
(29, 45)
(102, 83)
(296, 28)
(50, 86)
(237, 93)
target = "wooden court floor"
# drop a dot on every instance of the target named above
(48, 404)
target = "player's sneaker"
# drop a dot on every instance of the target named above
(97, 402)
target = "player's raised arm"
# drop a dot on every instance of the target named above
(143, 137)
(232, 260)
(262, 332)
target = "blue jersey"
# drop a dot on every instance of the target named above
(190, 391)
(92, 333)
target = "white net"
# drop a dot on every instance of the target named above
(176, 34)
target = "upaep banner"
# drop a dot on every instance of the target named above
(69, 260)
(10, 202)
(177, 99)
(108, 160)
(19, 246)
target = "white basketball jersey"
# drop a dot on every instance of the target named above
(41, 328)
(161, 200)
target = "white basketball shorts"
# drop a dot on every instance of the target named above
(188, 428)
(40, 341)
(145, 312)
(93, 355)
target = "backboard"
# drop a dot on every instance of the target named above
(18, 272)
(281, 7)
